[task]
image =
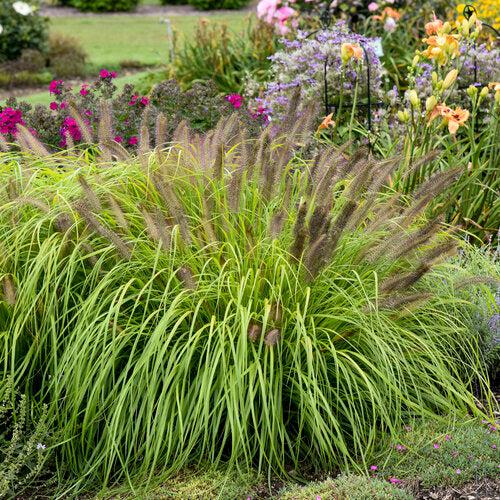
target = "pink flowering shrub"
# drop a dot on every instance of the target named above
(57, 125)
(278, 13)
(285, 15)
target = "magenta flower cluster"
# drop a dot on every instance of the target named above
(236, 100)
(9, 119)
(56, 87)
(259, 112)
(104, 73)
(70, 128)
(137, 100)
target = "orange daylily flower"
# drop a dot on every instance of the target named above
(494, 86)
(441, 48)
(454, 118)
(433, 27)
(388, 12)
(350, 50)
(327, 122)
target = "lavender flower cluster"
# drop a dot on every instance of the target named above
(301, 66)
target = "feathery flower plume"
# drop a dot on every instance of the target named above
(9, 290)
(272, 337)
(103, 231)
(185, 275)
(90, 196)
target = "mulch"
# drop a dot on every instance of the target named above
(488, 489)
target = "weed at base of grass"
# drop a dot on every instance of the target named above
(198, 484)
(346, 486)
(440, 455)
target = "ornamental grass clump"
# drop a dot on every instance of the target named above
(224, 299)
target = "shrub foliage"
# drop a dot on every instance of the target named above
(105, 5)
(20, 30)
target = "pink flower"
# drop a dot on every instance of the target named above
(54, 106)
(436, 446)
(401, 448)
(85, 89)
(133, 100)
(394, 480)
(283, 14)
(144, 101)
(235, 99)
(373, 468)
(458, 471)
(493, 446)
(266, 10)
(133, 140)
(390, 25)
(64, 105)
(372, 7)
(118, 138)
(9, 119)
(447, 437)
(87, 112)
(55, 87)
(70, 126)
(104, 73)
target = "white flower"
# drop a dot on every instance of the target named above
(22, 8)
(1, 29)
(40, 446)
(390, 25)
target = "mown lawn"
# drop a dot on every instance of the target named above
(112, 39)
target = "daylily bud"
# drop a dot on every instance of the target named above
(450, 79)
(434, 77)
(472, 20)
(430, 103)
(415, 61)
(484, 92)
(472, 91)
(413, 98)
(404, 116)
(465, 28)
(446, 27)
(497, 97)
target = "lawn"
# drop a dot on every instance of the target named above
(112, 39)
